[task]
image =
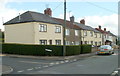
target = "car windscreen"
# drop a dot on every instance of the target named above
(105, 47)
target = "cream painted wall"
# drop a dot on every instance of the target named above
(88, 38)
(28, 33)
(49, 35)
(19, 33)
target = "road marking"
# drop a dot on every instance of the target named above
(52, 63)
(115, 54)
(75, 60)
(33, 62)
(115, 73)
(45, 66)
(62, 62)
(39, 67)
(30, 69)
(57, 63)
(66, 61)
(20, 71)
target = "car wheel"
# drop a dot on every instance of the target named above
(112, 52)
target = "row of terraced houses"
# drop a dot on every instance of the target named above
(37, 28)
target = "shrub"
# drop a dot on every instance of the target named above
(73, 50)
(39, 50)
(86, 49)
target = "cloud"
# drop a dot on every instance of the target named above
(110, 22)
(7, 13)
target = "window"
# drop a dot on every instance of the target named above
(100, 43)
(58, 29)
(85, 42)
(43, 42)
(76, 32)
(50, 42)
(43, 28)
(85, 33)
(95, 35)
(92, 42)
(67, 42)
(77, 43)
(67, 31)
(91, 33)
(58, 42)
(96, 43)
(100, 35)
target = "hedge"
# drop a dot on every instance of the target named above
(23, 49)
(73, 50)
(86, 49)
(39, 50)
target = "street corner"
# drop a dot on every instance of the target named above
(6, 69)
(2, 55)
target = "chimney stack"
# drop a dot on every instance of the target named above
(104, 29)
(99, 27)
(48, 11)
(72, 19)
(82, 21)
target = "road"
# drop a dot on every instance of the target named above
(95, 64)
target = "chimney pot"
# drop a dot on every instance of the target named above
(48, 11)
(82, 21)
(99, 27)
(72, 19)
(104, 29)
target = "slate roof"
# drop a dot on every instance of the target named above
(85, 27)
(30, 16)
(102, 31)
(68, 23)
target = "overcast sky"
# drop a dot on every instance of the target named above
(95, 12)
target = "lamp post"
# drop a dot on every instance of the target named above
(64, 38)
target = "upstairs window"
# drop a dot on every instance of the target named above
(67, 31)
(76, 32)
(100, 35)
(91, 33)
(43, 28)
(85, 33)
(57, 29)
(95, 35)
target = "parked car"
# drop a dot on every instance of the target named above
(105, 49)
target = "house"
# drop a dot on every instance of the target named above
(89, 35)
(34, 28)
(113, 38)
(107, 36)
(72, 31)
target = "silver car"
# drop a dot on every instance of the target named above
(105, 49)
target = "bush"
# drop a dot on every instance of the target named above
(39, 50)
(73, 50)
(86, 49)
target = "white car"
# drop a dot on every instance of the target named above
(105, 49)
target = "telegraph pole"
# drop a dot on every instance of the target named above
(64, 38)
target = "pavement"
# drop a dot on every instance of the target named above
(52, 57)
(6, 69)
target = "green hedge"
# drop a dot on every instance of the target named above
(39, 50)
(32, 49)
(86, 49)
(73, 50)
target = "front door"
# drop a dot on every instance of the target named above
(50, 42)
